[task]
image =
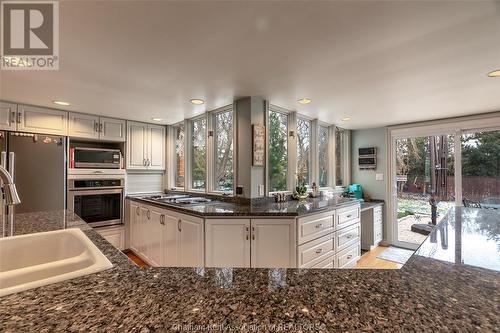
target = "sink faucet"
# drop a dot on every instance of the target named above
(9, 188)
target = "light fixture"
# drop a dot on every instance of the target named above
(61, 103)
(494, 73)
(197, 101)
(304, 100)
(346, 119)
(156, 119)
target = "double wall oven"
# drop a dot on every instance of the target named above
(97, 199)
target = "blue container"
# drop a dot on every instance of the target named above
(357, 190)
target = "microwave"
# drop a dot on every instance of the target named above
(96, 158)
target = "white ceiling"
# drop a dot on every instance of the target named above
(379, 63)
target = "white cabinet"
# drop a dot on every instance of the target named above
(8, 113)
(227, 242)
(371, 227)
(273, 243)
(145, 146)
(94, 127)
(112, 129)
(41, 120)
(114, 235)
(134, 222)
(83, 126)
(171, 239)
(260, 243)
(191, 242)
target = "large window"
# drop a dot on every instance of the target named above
(223, 144)
(323, 156)
(179, 155)
(198, 154)
(278, 152)
(303, 151)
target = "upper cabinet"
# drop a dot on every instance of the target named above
(145, 146)
(8, 113)
(95, 127)
(41, 120)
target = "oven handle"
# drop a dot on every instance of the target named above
(94, 192)
(83, 189)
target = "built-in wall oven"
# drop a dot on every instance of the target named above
(97, 201)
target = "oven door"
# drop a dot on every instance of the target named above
(97, 207)
(94, 158)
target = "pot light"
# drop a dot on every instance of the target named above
(197, 101)
(61, 103)
(494, 73)
(156, 119)
(346, 119)
(304, 100)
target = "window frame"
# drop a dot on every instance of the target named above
(328, 155)
(310, 177)
(189, 152)
(174, 153)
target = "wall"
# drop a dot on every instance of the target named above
(373, 137)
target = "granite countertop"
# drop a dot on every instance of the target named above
(365, 205)
(256, 207)
(427, 294)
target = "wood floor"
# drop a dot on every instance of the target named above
(369, 260)
(138, 261)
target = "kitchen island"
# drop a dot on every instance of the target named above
(427, 294)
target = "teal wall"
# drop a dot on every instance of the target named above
(373, 137)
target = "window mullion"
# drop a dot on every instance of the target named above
(292, 151)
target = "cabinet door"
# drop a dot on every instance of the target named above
(114, 235)
(135, 216)
(171, 236)
(136, 145)
(8, 116)
(144, 232)
(273, 243)
(227, 243)
(191, 243)
(41, 120)
(83, 126)
(156, 147)
(112, 129)
(155, 239)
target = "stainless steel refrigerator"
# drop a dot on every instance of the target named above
(38, 165)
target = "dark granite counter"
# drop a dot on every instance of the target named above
(425, 295)
(256, 207)
(370, 204)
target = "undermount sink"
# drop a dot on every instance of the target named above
(35, 260)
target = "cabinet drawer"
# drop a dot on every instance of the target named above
(349, 257)
(315, 251)
(347, 216)
(315, 226)
(347, 236)
(327, 263)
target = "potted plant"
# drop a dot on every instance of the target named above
(301, 188)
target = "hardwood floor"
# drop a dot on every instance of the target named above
(369, 260)
(138, 261)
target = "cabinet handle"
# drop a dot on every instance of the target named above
(349, 216)
(148, 214)
(148, 162)
(253, 233)
(320, 250)
(144, 162)
(246, 234)
(349, 236)
(162, 219)
(319, 225)
(96, 126)
(179, 225)
(349, 256)
(12, 118)
(100, 128)
(137, 210)
(19, 117)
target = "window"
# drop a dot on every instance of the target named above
(223, 143)
(339, 156)
(323, 156)
(179, 155)
(278, 152)
(303, 151)
(198, 154)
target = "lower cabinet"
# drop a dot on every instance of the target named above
(114, 235)
(165, 238)
(258, 243)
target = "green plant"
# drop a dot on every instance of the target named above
(405, 213)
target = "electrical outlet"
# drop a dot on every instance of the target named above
(379, 176)
(261, 190)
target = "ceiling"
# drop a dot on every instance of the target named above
(379, 63)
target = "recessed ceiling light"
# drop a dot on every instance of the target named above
(494, 73)
(156, 119)
(304, 100)
(197, 101)
(61, 103)
(346, 119)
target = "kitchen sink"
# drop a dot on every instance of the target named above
(35, 260)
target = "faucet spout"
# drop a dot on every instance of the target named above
(9, 188)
